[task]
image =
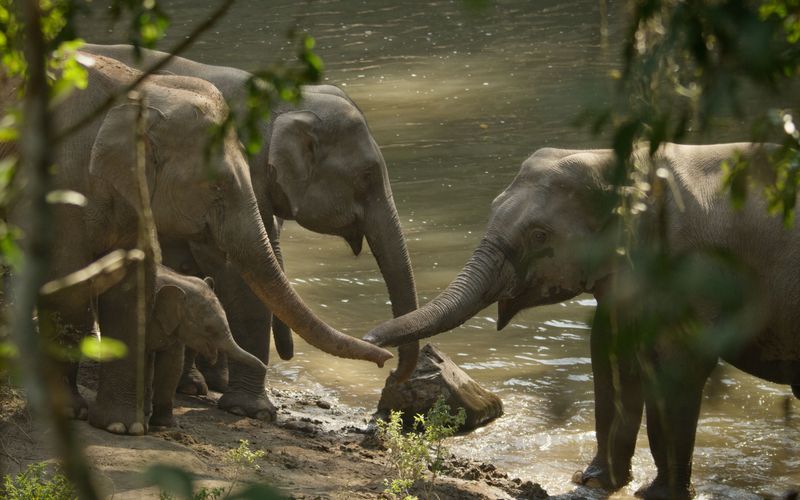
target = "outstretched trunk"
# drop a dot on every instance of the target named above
(385, 238)
(485, 277)
(236, 353)
(243, 237)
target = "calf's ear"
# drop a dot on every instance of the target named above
(169, 307)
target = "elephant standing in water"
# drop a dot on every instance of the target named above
(318, 166)
(534, 252)
(193, 197)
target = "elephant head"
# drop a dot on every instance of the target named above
(185, 308)
(327, 173)
(199, 195)
(538, 248)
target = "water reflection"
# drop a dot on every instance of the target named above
(457, 100)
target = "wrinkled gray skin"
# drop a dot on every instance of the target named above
(191, 199)
(320, 167)
(185, 311)
(533, 253)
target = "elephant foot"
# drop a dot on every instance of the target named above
(162, 421)
(116, 420)
(247, 404)
(599, 476)
(660, 490)
(193, 383)
(77, 408)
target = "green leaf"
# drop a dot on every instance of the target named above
(106, 349)
(8, 128)
(258, 492)
(8, 350)
(170, 479)
(10, 253)
(66, 197)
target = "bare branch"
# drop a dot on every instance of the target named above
(101, 274)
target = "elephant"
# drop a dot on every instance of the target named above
(196, 194)
(319, 166)
(185, 311)
(544, 233)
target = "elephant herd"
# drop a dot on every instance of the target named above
(219, 218)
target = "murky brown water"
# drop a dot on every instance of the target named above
(457, 100)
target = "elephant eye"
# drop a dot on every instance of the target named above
(539, 236)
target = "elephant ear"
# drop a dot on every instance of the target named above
(293, 153)
(113, 157)
(169, 307)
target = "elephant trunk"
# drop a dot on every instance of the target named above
(280, 331)
(385, 239)
(237, 354)
(485, 277)
(244, 238)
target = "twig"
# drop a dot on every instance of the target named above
(41, 379)
(146, 244)
(4, 451)
(24, 432)
(177, 50)
(103, 273)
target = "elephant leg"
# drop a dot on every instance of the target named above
(77, 404)
(65, 327)
(250, 324)
(215, 375)
(166, 374)
(674, 393)
(245, 394)
(192, 381)
(619, 403)
(115, 408)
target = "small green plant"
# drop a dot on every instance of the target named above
(203, 493)
(242, 458)
(422, 449)
(36, 483)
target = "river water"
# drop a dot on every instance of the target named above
(457, 99)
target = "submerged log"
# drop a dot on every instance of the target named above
(437, 375)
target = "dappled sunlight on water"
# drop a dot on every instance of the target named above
(457, 101)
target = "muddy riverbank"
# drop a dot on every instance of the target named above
(318, 448)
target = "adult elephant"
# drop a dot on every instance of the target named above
(318, 166)
(193, 197)
(541, 247)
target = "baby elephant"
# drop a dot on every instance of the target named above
(185, 312)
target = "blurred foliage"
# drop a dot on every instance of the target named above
(37, 483)
(175, 482)
(103, 349)
(267, 87)
(148, 21)
(688, 63)
(66, 72)
(686, 66)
